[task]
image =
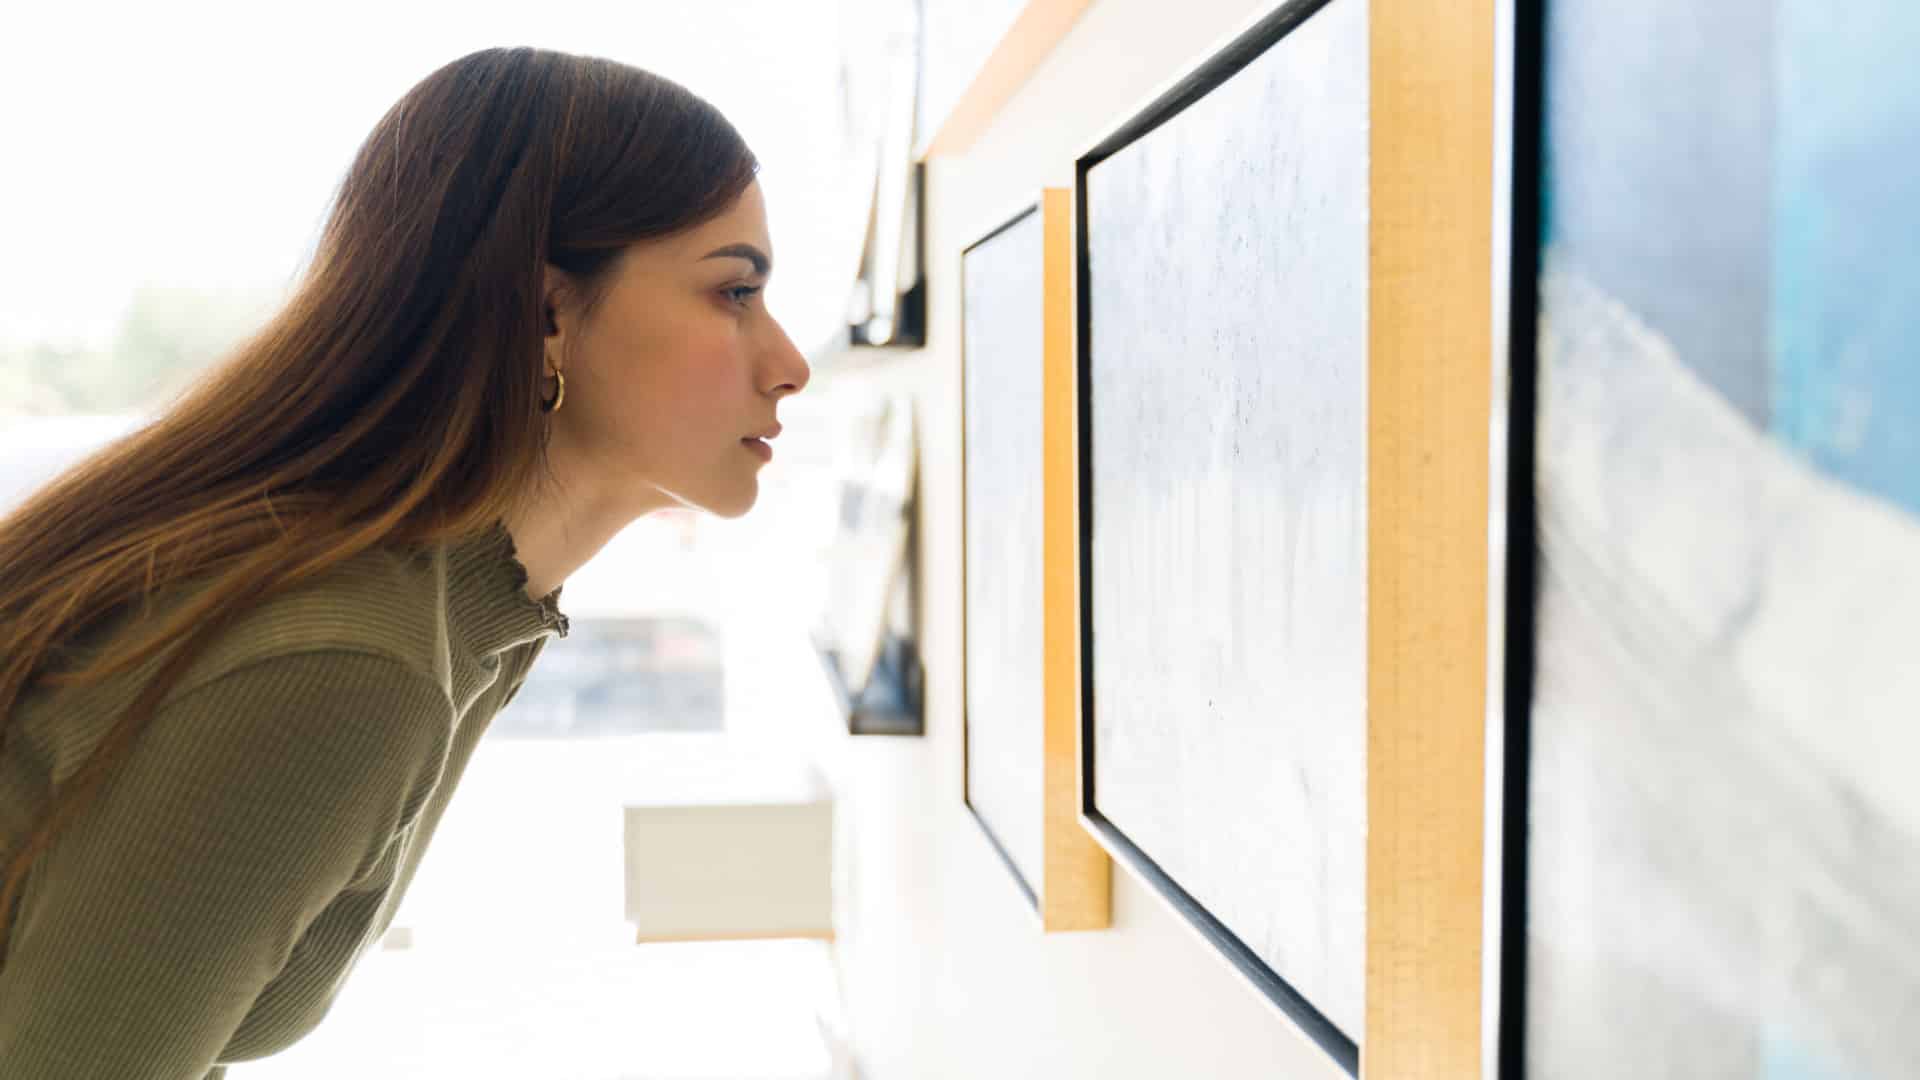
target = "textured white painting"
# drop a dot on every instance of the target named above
(1228, 323)
(1004, 622)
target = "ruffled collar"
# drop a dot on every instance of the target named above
(487, 594)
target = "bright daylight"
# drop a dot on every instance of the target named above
(182, 159)
(960, 540)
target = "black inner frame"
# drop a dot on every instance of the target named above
(1027, 888)
(1216, 70)
(1522, 540)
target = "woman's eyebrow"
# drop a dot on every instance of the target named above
(762, 264)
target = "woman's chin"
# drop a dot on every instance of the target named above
(733, 504)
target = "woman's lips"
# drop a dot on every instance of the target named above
(759, 448)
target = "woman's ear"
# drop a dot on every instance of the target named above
(555, 295)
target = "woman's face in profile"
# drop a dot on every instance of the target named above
(672, 383)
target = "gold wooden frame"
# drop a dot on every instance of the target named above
(1028, 40)
(1430, 354)
(1430, 357)
(1076, 887)
(1431, 398)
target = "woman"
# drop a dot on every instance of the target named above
(249, 648)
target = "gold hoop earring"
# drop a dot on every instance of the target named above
(559, 394)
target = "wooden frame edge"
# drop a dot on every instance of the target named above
(1072, 893)
(1429, 399)
(1078, 888)
(1029, 39)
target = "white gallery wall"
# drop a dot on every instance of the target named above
(946, 971)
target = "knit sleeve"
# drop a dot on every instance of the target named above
(149, 927)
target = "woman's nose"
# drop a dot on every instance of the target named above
(788, 371)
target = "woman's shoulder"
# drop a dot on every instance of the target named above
(368, 629)
(383, 602)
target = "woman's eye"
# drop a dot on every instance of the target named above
(740, 294)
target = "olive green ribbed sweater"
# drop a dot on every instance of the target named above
(208, 903)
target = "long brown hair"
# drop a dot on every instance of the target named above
(394, 398)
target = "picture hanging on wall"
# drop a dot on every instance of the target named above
(1222, 396)
(1712, 833)
(866, 635)
(888, 303)
(1021, 738)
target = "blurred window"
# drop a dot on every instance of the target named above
(622, 676)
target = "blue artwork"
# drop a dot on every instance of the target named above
(1724, 825)
(1846, 283)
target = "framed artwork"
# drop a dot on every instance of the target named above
(866, 636)
(1020, 743)
(1222, 243)
(879, 63)
(1712, 854)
